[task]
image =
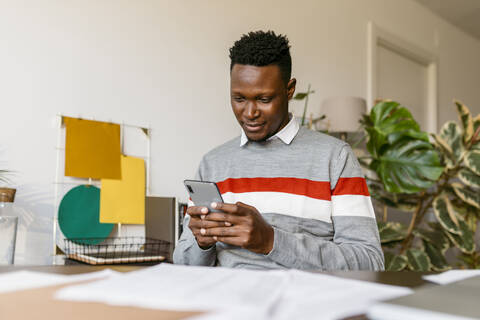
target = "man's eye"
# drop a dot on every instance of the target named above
(238, 99)
(265, 100)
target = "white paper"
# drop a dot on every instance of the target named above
(22, 280)
(451, 276)
(320, 296)
(236, 293)
(171, 287)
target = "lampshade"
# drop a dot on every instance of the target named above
(343, 113)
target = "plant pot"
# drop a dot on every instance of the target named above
(7, 194)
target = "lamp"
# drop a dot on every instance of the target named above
(343, 113)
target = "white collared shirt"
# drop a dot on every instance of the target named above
(286, 134)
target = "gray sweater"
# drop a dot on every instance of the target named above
(311, 191)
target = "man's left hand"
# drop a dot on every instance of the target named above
(248, 229)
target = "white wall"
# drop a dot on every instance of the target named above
(165, 64)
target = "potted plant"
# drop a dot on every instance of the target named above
(409, 171)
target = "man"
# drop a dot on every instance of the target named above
(294, 198)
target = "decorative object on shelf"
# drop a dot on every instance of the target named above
(417, 176)
(343, 114)
(79, 214)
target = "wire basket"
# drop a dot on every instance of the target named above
(119, 250)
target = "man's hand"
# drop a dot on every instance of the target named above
(239, 225)
(198, 222)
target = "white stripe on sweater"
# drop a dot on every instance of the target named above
(302, 206)
(352, 205)
(284, 203)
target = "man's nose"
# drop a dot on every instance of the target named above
(251, 110)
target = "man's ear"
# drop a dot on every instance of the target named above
(291, 88)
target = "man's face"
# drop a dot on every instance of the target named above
(259, 99)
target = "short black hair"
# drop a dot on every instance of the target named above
(260, 48)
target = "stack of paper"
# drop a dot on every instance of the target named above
(235, 293)
(319, 296)
(172, 287)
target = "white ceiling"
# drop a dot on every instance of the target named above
(465, 14)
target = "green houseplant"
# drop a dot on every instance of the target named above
(409, 171)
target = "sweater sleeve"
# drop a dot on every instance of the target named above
(356, 242)
(187, 250)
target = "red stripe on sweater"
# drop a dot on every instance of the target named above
(304, 187)
(354, 186)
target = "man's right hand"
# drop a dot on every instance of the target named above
(198, 224)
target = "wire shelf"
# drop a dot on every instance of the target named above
(120, 250)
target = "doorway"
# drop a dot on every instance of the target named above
(400, 71)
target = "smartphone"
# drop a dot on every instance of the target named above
(203, 193)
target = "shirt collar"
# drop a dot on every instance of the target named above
(286, 134)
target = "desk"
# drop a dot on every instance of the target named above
(38, 303)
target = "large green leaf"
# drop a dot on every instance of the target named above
(466, 120)
(391, 231)
(395, 262)
(472, 161)
(394, 137)
(469, 178)
(439, 263)
(435, 237)
(469, 196)
(388, 117)
(445, 213)
(418, 260)
(408, 166)
(452, 134)
(465, 240)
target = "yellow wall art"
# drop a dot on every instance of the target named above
(92, 149)
(123, 201)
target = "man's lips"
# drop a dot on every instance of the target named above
(253, 127)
